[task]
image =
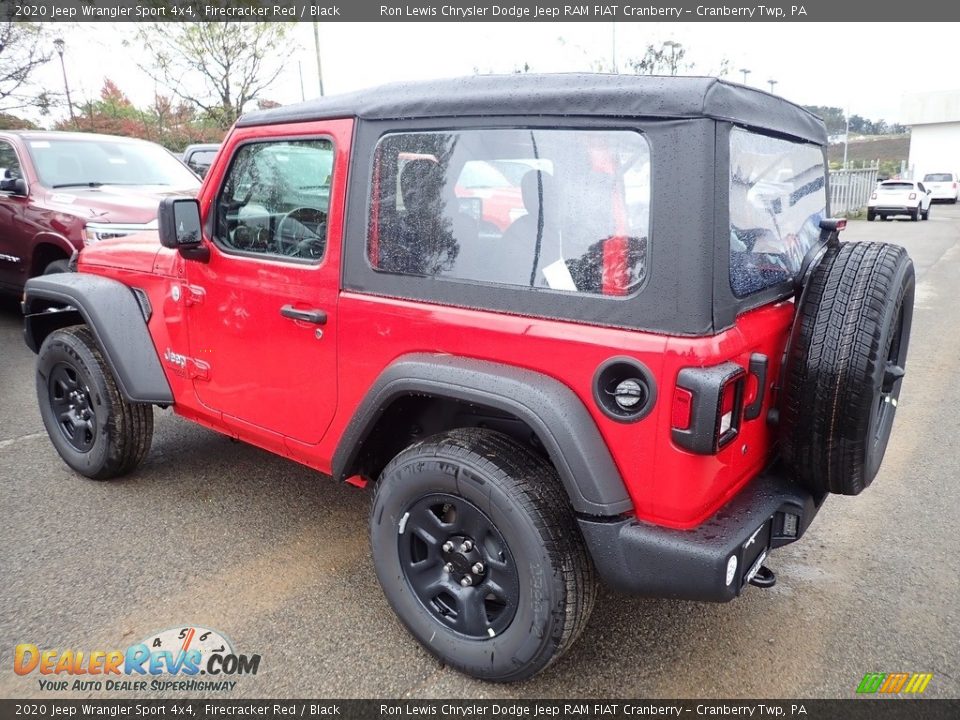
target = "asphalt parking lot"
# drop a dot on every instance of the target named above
(223, 535)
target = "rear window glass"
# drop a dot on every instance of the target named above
(897, 186)
(938, 177)
(564, 210)
(777, 199)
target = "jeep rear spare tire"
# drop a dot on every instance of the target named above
(478, 553)
(844, 366)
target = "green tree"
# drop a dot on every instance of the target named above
(220, 68)
(833, 117)
(21, 53)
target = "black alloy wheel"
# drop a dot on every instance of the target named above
(459, 566)
(69, 395)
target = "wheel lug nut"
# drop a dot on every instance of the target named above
(467, 546)
(477, 568)
(467, 581)
(448, 567)
(448, 546)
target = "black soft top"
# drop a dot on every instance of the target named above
(569, 94)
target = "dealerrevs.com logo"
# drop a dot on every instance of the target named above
(170, 660)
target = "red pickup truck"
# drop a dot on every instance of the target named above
(62, 191)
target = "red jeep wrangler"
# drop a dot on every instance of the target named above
(654, 374)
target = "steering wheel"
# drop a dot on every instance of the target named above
(302, 233)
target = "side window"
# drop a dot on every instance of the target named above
(777, 199)
(275, 198)
(563, 210)
(9, 164)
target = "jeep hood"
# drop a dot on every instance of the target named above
(133, 252)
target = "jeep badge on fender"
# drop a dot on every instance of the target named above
(571, 328)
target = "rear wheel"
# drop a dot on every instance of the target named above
(845, 366)
(96, 431)
(479, 554)
(871, 215)
(915, 213)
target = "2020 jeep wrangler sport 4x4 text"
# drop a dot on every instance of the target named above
(573, 326)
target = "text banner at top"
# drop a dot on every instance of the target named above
(472, 11)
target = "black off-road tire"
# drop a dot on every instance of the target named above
(120, 432)
(926, 213)
(844, 366)
(915, 214)
(871, 215)
(521, 496)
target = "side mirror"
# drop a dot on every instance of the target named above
(13, 184)
(180, 227)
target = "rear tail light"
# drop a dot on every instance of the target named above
(913, 196)
(728, 413)
(707, 407)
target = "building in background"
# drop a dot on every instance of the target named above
(934, 120)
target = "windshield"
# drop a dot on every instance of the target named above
(91, 163)
(777, 199)
(938, 177)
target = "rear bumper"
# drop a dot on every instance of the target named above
(693, 564)
(893, 209)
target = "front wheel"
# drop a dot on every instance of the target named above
(926, 213)
(96, 431)
(479, 554)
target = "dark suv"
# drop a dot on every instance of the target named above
(62, 191)
(652, 368)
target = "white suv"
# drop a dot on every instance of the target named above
(942, 186)
(899, 197)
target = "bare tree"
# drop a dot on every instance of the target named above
(218, 67)
(21, 52)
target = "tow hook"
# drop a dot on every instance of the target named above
(764, 578)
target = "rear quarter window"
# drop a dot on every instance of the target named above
(564, 210)
(777, 199)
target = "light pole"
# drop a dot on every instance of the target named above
(772, 84)
(60, 46)
(673, 55)
(745, 72)
(613, 47)
(316, 44)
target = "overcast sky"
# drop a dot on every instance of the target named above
(841, 64)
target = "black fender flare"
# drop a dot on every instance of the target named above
(554, 412)
(115, 316)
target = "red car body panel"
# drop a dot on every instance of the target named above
(272, 402)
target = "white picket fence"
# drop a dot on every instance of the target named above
(850, 190)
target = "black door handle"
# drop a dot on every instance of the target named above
(317, 317)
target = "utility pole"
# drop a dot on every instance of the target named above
(846, 137)
(316, 44)
(613, 44)
(60, 46)
(745, 72)
(772, 84)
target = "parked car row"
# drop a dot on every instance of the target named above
(60, 192)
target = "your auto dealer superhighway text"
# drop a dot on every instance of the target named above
(611, 11)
